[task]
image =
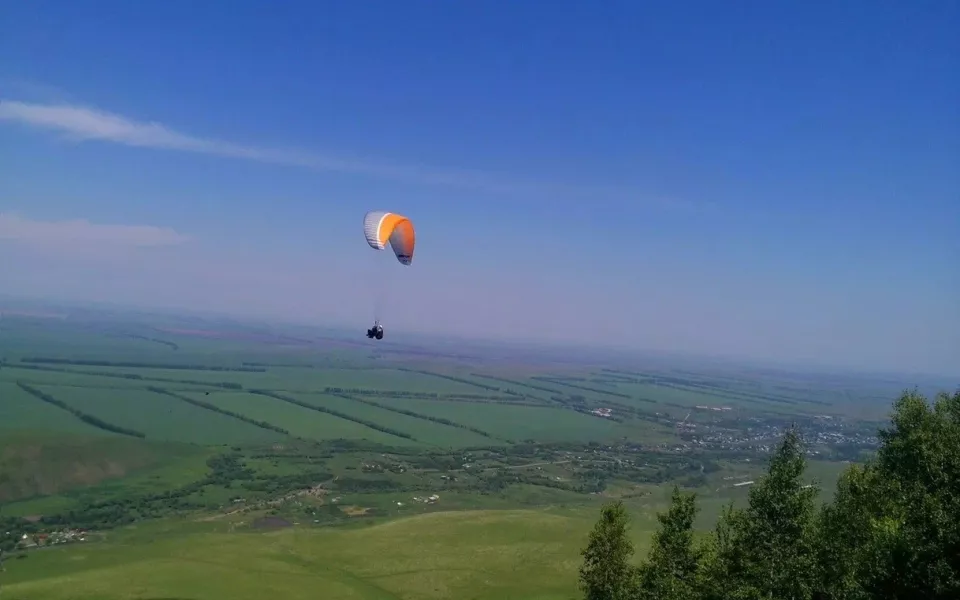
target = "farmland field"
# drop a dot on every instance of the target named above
(430, 432)
(299, 421)
(520, 423)
(159, 417)
(171, 444)
(19, 411)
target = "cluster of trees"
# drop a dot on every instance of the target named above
(891, 531)
(86, 418)
(281, 484)
(226, 470)
(367, 486)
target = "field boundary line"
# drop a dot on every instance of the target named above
(416, 415)
(79, 414)
(213, 408)
(335, 413)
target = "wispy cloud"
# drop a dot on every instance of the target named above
(85, 123)
(69, 233)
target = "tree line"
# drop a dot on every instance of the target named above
(85, 417)
(135, 376)
(137, 365)
(167, 343)
(92, 511)
(892, 530)
(482, 386)
(405, 394)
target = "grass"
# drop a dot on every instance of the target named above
(160, 417)
(104, 469)
(32, 465)
(445, 555)
(299, 421)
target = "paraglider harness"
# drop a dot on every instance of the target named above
(376, 331)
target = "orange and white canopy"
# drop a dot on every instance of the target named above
(380, 227)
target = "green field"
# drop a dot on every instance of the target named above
(429, 432)
(525, 422)
(295, 379)
(160, 417)
(12, 373)
(347, 447)
(301, 422)
(480, 555)
(19, 411)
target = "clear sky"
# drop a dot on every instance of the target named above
(760, 179)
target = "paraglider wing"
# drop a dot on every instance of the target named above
(380, 227)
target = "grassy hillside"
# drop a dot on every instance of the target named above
(35, 465)
(477, 554)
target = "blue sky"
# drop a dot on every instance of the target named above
(767, 180)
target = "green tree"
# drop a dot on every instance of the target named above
(767, 551)
(671, 569)
(843, 534)
(606, 572)
(893, 530)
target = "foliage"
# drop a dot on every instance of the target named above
(672, 567)
(891, 531)
(606, 573)
(894, 531)
(767, 550)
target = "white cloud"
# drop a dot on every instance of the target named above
(84, 123)
(62, 234)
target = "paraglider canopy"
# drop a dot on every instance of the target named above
(380, 227)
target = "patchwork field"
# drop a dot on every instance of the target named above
(299, 421)
(437, 434)
(518, 423)
(160, 417)
(19, 411)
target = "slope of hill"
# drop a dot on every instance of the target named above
(470, 554)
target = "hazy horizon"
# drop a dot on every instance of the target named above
(765, 184)
(583, 354)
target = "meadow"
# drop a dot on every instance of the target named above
(172, 440)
